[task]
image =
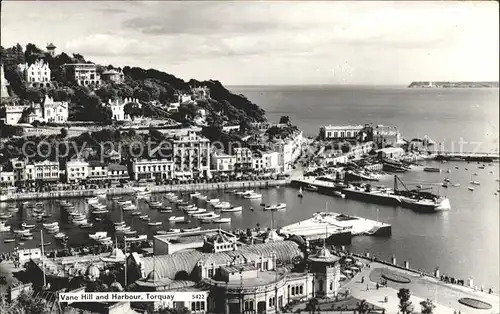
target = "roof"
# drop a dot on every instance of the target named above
(96, 163)
(167, 266)
(50, 46)
(238, 268)
(390, 150)
(117, 167)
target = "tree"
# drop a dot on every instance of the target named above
(312, 305)
(25, 303)
(64, 132)
(362, 307)
(183, 310)
(404, 301)
(427, 306)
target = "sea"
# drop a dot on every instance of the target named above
(463, 242)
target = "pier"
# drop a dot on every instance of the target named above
(465, 156)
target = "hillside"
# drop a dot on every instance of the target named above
(150, 86)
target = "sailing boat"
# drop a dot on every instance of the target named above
(300, 192)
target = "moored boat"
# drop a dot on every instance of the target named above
(222, 220)
(144, 218)
(26, 226)
(176, 218)
(232, 209)
(153, 224)
(191, 229)
(310, 187)
(222, 205)
(173, 231)
(9, 240)
(432, 169)
(213, 201)
(141, 237)
(253, 196)
(98, 235)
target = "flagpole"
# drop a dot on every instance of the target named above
(43, 259)
(125, 241)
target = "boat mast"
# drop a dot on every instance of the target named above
(43, 260)
(326, 227)
(125, 249)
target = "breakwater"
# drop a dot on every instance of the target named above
(221, 186)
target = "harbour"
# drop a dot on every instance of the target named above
(407, 225)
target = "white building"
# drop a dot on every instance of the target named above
(340, 132)
(118, 172)
(266, 161)
(391, 152)
(77, 170)
(201, 93)
(244, 158)
(153, 169)
(97, 171)
(118, 108)
(361, 149)
(6, 178)
(113, 75)
(54, 111)
(223, 162)
(13, 114)
(45, 171)
(36, 74)
(84, 74)
(289, 150)
(384, 135)
(191, 156)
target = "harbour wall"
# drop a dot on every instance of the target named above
(222, 186)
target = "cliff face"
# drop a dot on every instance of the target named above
(459, 84)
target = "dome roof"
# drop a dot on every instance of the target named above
(93, 271)
(324, 253)
(152, 276)
(117, 253)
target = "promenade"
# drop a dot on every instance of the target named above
(221, 186)
(445, 296)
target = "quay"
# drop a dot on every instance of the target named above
(324, 225)
(466, 156)
(221, 186)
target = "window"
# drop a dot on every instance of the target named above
(193, 306)
(331, 285)
(301, 289)
(265, 265)
(210, 273)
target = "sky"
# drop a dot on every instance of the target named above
(271, 43)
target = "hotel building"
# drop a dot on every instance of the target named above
(84, 74)
(191, 156)
(340, 132)
(153, 169)
(77, 170)
(36, 74)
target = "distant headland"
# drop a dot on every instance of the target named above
(431, 84)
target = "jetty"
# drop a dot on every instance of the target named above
(324, 225)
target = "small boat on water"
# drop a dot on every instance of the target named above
(144, 218)
(201, 197)
(123, 202)
(154, 204)
(475, 183)
(471, 188)
(160, 232)
(45, 244)
(116, 198)
(5, 216)
(252, 196)
(9, 240)
(339, 194)
(141, 237)
(197, 211)
(176, 218)
(222, 205)
(208, 218)
(213, 201)
(191, 229)
(122, 228)
(104, 240)
(51, 225)
(243, 193)
(137, 213)
(222, 220)
(22, 231)
(98, 235)
(92, 200)
(99, 211)
(165, 211)
(4, 227)
(194, 194)
(232, 209)
(456, 184)
(131, 232)
(173, 231)
(310, 188)
(13, 209)
(26, 226)
(153, 224)
(432, 169)
(129, 207)
(27, 236)
(87, 226)
(300, 192)
(204, 214)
